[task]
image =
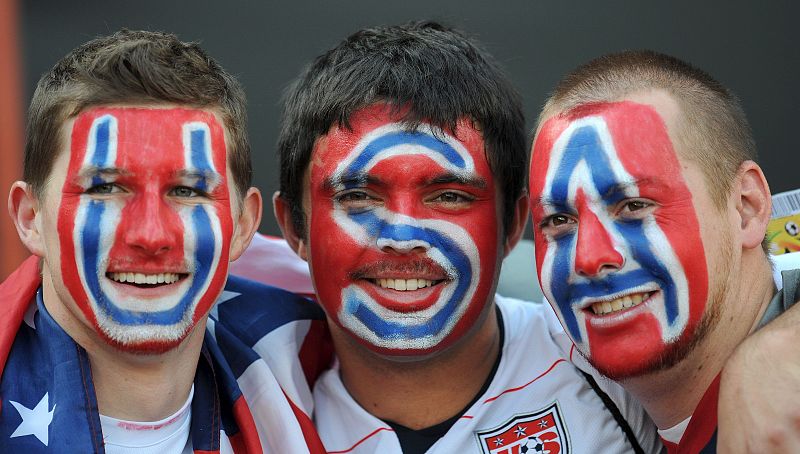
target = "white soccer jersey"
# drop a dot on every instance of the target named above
(537, 402)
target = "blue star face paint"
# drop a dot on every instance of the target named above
(403, 232)
(618, 244)
(145, 222)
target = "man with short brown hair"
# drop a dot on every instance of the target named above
(649, 214)
(136, 195)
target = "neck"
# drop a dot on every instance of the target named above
(671, 395)
(130, 386)
(424, 392)
(139, 387)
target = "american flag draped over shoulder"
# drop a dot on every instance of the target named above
(47, 396)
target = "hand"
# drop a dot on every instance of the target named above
(759, 399)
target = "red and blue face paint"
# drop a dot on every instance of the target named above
(145, 222)
(403, 234)
(618, 244)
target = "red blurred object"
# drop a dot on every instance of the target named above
(12, 253)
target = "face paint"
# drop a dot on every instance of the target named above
(145, 222)
(403, 232)
(618, 244)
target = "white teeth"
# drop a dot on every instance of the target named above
(404, 284)
(141, 278)
(607, 307)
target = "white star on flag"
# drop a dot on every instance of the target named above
(35, 422)
(520, 431)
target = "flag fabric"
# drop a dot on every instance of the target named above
(271, 261)
(261, 346)
(701, 434)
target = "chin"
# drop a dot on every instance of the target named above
(632, 364)
(145, 339)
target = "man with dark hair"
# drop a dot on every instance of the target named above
(649, 214)
(402, 185)
(136, 195)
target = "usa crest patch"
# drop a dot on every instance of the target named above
(540, 432)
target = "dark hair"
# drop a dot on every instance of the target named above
(424, 70)
(133, 67)
(713, 128)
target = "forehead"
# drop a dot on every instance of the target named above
(134, 133)
(638, 135)
(366, 125)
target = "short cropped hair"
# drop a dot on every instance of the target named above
(136, 67)
(426, 72)
(713, 129)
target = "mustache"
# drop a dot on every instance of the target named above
(420, 266)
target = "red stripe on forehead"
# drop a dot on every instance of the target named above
(641, 140)
(152, 137)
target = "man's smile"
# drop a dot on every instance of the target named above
(145, 279)
(620, 303)
(404, 285)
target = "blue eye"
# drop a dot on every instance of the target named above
(184, 191)
(104, 188)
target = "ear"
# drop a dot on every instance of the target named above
(518, 223)
(247, 223)
(753, 203)
(283, 213)
(23, 206)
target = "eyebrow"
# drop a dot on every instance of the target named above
(465, 179)
(198, 173)
(361, 179)
(350, 180)
(615, 192)
(94, 171)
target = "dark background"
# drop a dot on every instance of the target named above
(751, 47)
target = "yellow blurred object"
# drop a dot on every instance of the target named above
(783, 231)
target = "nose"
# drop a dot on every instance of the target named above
(155, 228)
(595, 254)
(402, 236)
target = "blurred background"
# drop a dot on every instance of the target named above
(752, 47)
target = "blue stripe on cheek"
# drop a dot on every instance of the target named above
(559, 281)
(395, 331)
(90, 243)
(450, 249)
(204, 256)
(203, 260)
(642, 252)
